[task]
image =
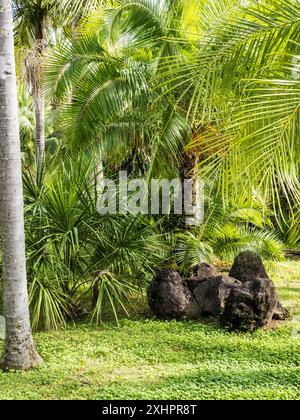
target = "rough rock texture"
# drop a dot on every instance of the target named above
(280, 312)
(170, 298)
(246, 300)
(250, 306)
(201, 273)
(248, 266)
(194, 282)
(204, 271)
(211, 294)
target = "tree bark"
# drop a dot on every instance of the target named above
(189, 171)
(19, 349)
(38, 93)
(34, 64)
(100, 169)
(40, 125)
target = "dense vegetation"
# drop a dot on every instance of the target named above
(141, 86)
(159, 89)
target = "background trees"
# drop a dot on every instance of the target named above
(243, 75)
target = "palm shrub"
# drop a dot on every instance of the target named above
(127, 251)
(53, 227)
(75, 255)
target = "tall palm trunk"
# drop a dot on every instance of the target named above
(100, 169)
(189, 171)
(40, 125)
(39, 95)
(19, 350)
(35, 68)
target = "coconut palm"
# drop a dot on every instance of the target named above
(19, 350)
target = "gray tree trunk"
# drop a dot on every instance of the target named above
(38, 93)
(100, 169)
(19, 349)
(40, 126)
(194, 214)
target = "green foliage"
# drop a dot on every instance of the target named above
(27, 127)
(79, 261)
(106, 86)
(70, 246)
(228, 230)
(242, 81)
(226, 69)
(136, 84)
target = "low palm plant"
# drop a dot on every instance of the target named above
(75, 255)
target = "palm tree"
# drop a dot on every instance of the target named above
(229, 72)
(19, 351)
(104, 80)
(242, 83)
(35, 21)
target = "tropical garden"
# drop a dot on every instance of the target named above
(209, 89)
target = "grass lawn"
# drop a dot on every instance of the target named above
(147, 359)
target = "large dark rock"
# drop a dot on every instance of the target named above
(204, 271)
(250, 306)
(194, 282)
(211, 294)
(248, 266)
(201, 273)
(170, 298)
(280, 312)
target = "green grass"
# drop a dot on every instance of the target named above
(147, 359)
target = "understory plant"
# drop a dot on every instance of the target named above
(78, 260)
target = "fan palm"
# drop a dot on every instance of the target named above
(72, 250)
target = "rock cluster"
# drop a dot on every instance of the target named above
(245, 300)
